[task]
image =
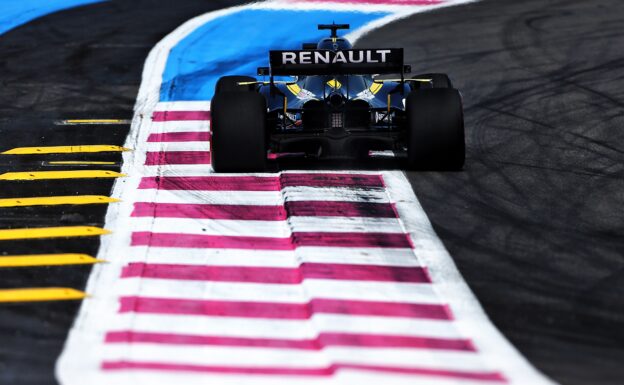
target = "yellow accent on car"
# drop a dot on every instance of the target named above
(375, 87)
(334, 84)
(294, 88)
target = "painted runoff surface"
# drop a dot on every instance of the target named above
(14, 13)
(294, 277)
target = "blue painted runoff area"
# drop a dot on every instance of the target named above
(14, 13)
(238, 43)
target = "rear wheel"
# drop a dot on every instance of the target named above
(435, 125)
(238, 124)
(438, 80)
(230, 83)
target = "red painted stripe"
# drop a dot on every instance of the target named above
(169, 116)
(279, 310)
(177, 157)
(339, 209)
(323, 340)
(184, 210)
(190, 136)
(352, 239)
(266, 243)
(210, 241)
(263, 213)
(255, 183)
(210, 183)
(331, 180)
(278, 275)
(494, 377)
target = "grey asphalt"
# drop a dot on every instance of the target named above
(535, 222)
(85, 62)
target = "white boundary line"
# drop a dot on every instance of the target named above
(80, 360)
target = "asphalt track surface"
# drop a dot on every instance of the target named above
(81, 63)
(534, 222)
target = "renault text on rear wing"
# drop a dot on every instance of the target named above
(325, 62)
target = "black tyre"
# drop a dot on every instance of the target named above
(437, 81)
(239, 139)
(435, 130)
(230, 84)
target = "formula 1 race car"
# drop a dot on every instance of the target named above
(335, 107)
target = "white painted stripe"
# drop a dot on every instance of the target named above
(180, 126)
(276, 328)
(275, 229)
(262, 292)
(273, 258)
(345, 225)
(272, 229)
(177, 146)
(257, 357)
(342, 377)
(176, 170)
(200, 105)
(264, 198)
(334, 194)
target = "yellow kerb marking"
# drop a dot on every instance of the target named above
(65, 149)
(56, 200)
(41, 294)
(51, 232)
(75, 174)
(95, 121)
(66, 162)
(47, 260)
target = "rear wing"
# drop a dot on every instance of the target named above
(344, 62)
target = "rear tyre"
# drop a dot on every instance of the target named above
(435, 130)
(230, 84)
(437, 81)
(238, 124)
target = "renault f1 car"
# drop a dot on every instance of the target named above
(336, 107)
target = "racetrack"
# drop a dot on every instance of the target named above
(532, 222)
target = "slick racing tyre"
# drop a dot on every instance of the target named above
(238, 124)
(435, 130)
(230, 83)
(437, 81)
